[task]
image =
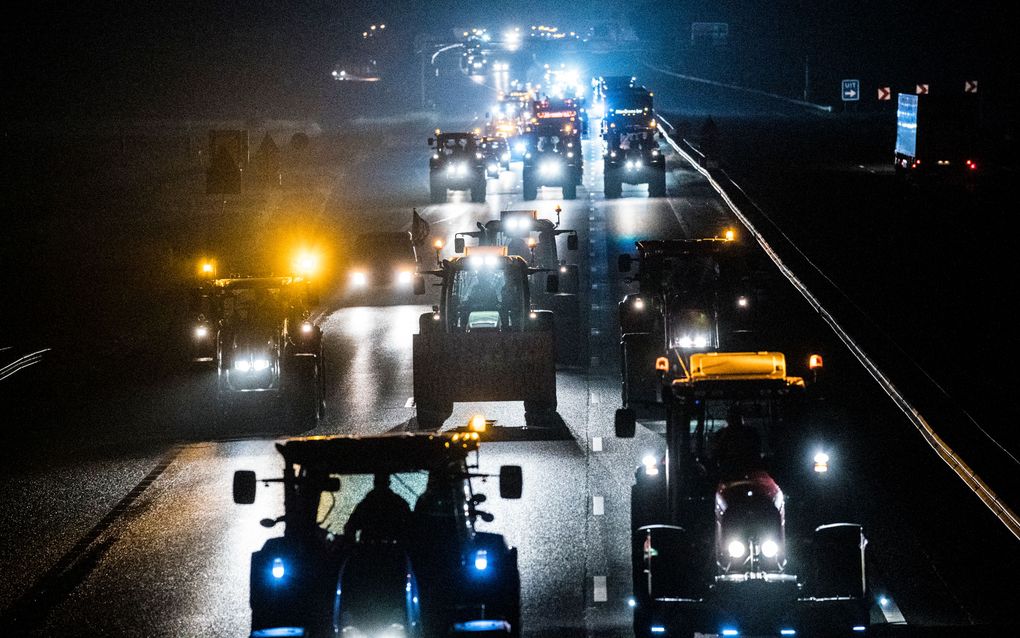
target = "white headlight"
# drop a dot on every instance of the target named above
(570, 153)
(242, 365)
(821, 463)
(493, 168)
(520, 147)
(490, 260)
(550, 168)
(769, 549)
(260, 364)
(639, 304)
(404, 277)
(201, 332)
(359, 278)
(736, 549)
(506, 157)
(700, 341)
(307, 327)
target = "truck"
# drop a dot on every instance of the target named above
(937, 136)
(627, 107)
(484, 341)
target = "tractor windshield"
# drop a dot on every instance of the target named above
(487, 298)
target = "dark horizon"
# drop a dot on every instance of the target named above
(214, 58)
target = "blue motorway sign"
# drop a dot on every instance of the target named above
(851, 90)
(906, 125)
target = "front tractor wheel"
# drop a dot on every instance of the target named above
(304, 401)
(539, 413)
(478, 191)
(437, 191)
(613, 188)
(657, 187)
(530, 187)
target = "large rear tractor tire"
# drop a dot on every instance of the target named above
(529, 187)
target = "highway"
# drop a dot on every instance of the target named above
(125, 526)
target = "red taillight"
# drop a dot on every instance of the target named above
(972, 165)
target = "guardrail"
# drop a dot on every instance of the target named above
(19, 364)
(959, 467)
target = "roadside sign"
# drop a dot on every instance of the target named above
(851, 90)
(906, 125)
(922, 89)
(970, 86)
(884, 93)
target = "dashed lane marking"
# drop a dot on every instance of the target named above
(598, 505)
(599, 592)
(596, 444)
(409, 403)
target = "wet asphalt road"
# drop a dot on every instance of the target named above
(173, 561)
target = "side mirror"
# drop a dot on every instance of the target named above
(572, 241)
(419, 285)
(552, 283)
(623, 262)
(511, 481)
(244, 487)
(458, 245)
(432, 141)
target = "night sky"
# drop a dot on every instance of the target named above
(101, 60)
